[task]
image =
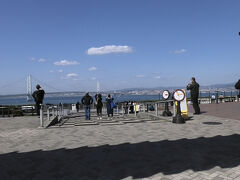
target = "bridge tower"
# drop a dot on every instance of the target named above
(29, 88)
(98, 86)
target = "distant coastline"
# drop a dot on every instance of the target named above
(134, 91)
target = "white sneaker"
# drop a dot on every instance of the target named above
(100, 117)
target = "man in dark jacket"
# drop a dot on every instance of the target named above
(237, 86)
(38, 97)
(87, 100)
(194, 91)
(99, 105)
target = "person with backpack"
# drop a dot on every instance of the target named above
(87, 100)
(194, 91)
(110, 105)
(99, 105)
(38, 97)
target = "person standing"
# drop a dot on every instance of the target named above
(194, 91)
(109, 102)
(38, 97)
(99, 105)
(87, 100)
(237, 86)
(77, 106)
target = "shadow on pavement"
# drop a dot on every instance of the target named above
(114, 162)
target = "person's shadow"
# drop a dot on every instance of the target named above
(114, 162)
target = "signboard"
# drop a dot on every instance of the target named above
(183, 106)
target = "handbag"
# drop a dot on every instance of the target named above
(113, 105)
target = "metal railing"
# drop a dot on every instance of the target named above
(52, 113)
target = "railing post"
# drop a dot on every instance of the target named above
(41, 115)
(209, 96)
(48, 114)
(122, 110)
(238, 94)
(174, 109)
(135, 110)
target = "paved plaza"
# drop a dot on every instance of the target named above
(206, 147)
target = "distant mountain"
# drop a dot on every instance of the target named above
(153, 90)
(227, 86)
(218, 86)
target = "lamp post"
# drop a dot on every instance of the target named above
(166, 95)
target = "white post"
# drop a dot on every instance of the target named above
(48, 114)
(156, 108)
(41, 115)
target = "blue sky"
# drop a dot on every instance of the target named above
(72, 44)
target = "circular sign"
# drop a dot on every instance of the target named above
(165, 94)
(178, 95)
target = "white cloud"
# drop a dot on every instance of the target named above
(41, 60)
(72, 75)
(180, 51)
(108, 50)
(60, 70)
(140, 76)
(157, 77)
(32, 59)
(51, 71)
(65, 63)
(93, 78)
(92, 68)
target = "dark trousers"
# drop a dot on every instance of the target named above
(38, 107)
(196, 106)
(87, 112)
(99, 111)
(109, 111)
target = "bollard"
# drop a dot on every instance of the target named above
(41, 115)
(178, 118)
(156, 108)
(166, 112)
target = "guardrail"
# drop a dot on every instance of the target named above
(52, 114)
